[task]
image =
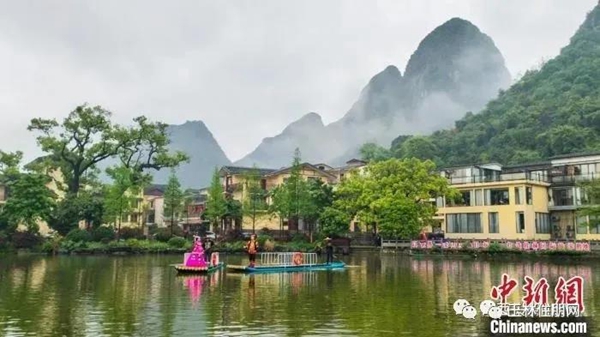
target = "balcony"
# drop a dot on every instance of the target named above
(573, 179)
(498, 178)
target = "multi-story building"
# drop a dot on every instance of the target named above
(566, 196)
(154, 200)
(495, 204)
(233, 179)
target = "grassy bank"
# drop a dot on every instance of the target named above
(502, 253)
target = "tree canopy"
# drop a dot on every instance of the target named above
(216, 205)
(88, 136)
(396, 194)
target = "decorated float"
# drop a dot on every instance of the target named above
(287, 262)
(195, 262)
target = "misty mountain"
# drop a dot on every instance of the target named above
(198, 142)
(455, 69)
(274, 152)
(550, 111)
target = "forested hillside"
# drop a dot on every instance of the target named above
(550, 111)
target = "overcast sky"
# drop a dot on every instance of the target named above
(245, 68)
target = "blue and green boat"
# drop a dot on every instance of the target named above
(287, 262)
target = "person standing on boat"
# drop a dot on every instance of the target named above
(252, 248)
(329, 250)
(208, 247)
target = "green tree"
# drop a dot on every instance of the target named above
(30, 201)
(591, 201)
(394, 193)
(334, 221)
(174, 199)
(320, 197)
(417, 147)
(87, 137)
(291, 200)
(373, 152)
(119, 198)
(216, 205)
(254, 196)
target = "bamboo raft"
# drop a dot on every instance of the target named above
(181, 268)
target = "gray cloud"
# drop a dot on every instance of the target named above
(246, 68)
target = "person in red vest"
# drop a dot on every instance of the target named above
(252, 248)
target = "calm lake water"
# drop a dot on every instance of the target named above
(381, 295)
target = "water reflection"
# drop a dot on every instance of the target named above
(142, 296)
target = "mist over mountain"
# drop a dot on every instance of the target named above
(455, 69)
(194, 138)
(550, 111)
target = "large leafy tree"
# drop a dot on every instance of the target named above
(394, 193)
(253, 202)
(87, 137)
(174, 200)
(216, 205)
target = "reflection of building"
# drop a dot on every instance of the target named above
(234, 178)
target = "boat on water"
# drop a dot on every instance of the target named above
(195, 261)
(287, 262)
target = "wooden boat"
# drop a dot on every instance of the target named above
(183, 269)
(287, 262)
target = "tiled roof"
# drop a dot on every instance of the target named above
(242, 170)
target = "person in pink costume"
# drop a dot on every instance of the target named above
(196, 257)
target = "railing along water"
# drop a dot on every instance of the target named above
(287, 259)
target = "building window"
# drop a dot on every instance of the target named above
(134, 218)
(562, 196)
(463, 223)
(439, 202)
(594, 224)
(478, 197)
(520, 222)
(493, 222)
(529, 195)
(542, 223)
(518, 195)
(582, 225)
(499, 196)
(357, 227)
(465, 198)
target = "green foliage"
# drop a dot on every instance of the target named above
(262, 238)
(25, 240)
(372, 152)
(127, 233)
(551, 111)
(66, 216)
(120, 197)
(216, 206)
(334, 221)
(79, 235)
(177, 242)
(174, 199)
(591, 201)
(164, 234)
(395, 194)
(103, 234)
(30, 201)
(87, 137)
(495, 247)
